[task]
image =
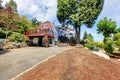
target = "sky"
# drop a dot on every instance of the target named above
(45, 10)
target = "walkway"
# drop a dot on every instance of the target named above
(18, 60)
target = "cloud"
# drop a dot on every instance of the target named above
(43, 10)
(111, 10)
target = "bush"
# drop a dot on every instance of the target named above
(63, 39)
(2, 34)
(108, 47)
(17, 37)
(90, 46)
(99, 44)
(116, 39)
(72, 41)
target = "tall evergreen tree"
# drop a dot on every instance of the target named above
(35, 23)
(85, 35)
(1, 2)
(79, 12)
(13, 5)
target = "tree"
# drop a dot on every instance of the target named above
(88, 37)
(106, 27)
(35, 23)
(24, 24)
(12, 4)
(8, 20)
(85, 35)
(1, 3)
(79, 12)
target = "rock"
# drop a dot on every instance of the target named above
(101, 54)
(96, 49)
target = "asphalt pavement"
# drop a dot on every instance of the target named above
(18, 60)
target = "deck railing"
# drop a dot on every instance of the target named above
(39, 32)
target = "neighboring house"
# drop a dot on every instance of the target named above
(68, 32)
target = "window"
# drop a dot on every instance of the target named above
(70, 34)
(46, 25)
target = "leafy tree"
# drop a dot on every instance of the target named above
(12, 4)
(63, 11)
(24, 24)
(79, 12)
(8, 20)
(106, 27)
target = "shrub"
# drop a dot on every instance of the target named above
(63, 39)
(17, 37)
(90, 46)
(2, 34)
(108, 47)
(99, 44)
(116, 39)
(72, 41)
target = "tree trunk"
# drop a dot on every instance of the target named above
(77, 30)
(6, 35)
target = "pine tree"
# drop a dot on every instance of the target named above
(13, 5)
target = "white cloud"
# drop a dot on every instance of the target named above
(111, 10)
(43, 10)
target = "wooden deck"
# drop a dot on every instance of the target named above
(39, 33)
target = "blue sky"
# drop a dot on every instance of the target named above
(45, 10)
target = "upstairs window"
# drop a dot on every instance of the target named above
(46, 26)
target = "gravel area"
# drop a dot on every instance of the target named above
(18, 60)
(74, 64)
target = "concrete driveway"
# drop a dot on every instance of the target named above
(19, 60)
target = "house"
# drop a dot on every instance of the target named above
(45, 29)
(50, 31)
(63, 31)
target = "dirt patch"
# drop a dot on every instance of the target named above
(74, 64)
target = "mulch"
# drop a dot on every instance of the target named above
(74, 64)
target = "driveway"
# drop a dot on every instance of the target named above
(19, 60)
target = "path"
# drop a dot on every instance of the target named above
(75, 64)
(18, 60)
